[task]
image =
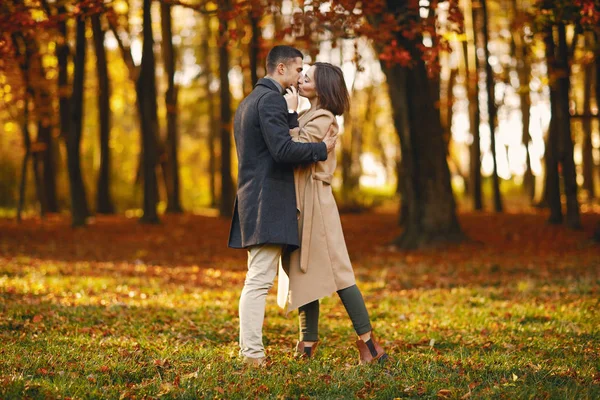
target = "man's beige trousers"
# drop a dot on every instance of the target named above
(263, 262)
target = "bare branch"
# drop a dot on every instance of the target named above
(125, 53)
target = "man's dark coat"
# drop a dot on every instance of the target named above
(265, 205)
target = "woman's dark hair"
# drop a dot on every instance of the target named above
(331, 88)
(281, 54)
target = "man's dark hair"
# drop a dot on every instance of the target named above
(281, 54)
(331, 88)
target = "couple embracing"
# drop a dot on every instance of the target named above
(285, 214)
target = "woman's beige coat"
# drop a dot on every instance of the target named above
(321, 266)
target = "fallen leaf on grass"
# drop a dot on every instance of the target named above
(165, 389)
(161, 363)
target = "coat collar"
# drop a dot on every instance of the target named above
(268, 83)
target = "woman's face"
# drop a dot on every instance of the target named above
(306, 87)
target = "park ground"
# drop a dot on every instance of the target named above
(124, 310)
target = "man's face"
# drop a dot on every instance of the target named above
(292, 72)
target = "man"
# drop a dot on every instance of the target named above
(264, 218)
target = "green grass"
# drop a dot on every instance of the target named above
(100, 330)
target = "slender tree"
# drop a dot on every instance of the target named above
(523, 68)
(552, 195)
(104, 203)
(588, 147)
(212, 120)
(146, 93)
(62, 56)
(49, 150)
(24, 57)
(172, 164)
(26, 157)
(256, 34)
(560, 144)
(227, 190)
(147, 103)
(79, 207)
(351, 143)
(492, 110)
(472, 78)
(597, 86)
(564, 122)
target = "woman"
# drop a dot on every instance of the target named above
(321, 266)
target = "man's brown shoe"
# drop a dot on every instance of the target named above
(371, 351)
(255, 362)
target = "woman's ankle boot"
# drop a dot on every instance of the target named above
(304, 351)
(370, 351)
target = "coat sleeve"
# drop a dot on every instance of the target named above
(275, 128)
(315, 130)
(293, 120)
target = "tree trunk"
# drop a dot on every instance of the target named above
(597, 86)
(212, 127)
(41, 151)
(431, 215)
(104, 203)
(346, 158)
(492, 111)
(26, 52)
(400, 117)
(449, 114)
(46, 158)
(146, 92)
(524, 72)
(44, 165)
(79, 207)
(43, 154)
(564, 122)
(351, 144)
(401, 190)
(588, 148)
(254, 45)
(523, 68)
(227, 191)
(475, 119)
(26, 157)
(551, 153)
(172, 183)
(37, 176)
(64, 90)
